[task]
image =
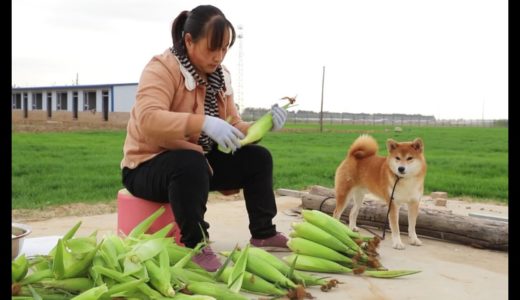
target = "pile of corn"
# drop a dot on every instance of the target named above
(322, 243)
(151, 266)
(138, 266)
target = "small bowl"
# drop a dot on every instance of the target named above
(18, 232)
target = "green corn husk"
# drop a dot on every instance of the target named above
(259, 128)
(78, 284)
(266, 271)
(390, 273)
(120, 277)
(308, 247)
(19, 268)
(316, 264)
(254, 284)
(237, 274)
(144, 225)
(297, 276)
(218, 291)
(332, 226)
(92, 294)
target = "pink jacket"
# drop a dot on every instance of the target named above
(168, 112)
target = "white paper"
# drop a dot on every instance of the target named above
(39, 245)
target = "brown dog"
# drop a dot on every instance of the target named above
(364, 171)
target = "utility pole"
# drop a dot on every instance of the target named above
(322, 90)
(483, 101)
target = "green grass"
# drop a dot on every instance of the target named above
(59, 168)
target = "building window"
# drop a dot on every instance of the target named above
(37, 101)
(89, 101)
(17, 101)
(61, 102)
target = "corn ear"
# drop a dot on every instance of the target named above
(253, 283)
(19, 268)
(93, 293)
(120, 277)
(311, 232)
(259, 128)
(266, 271)
(160, 275)
(332, 226)
(284, 268)
(37, 276)
(215, 290)
(78, 284)
(307, 247)
(316, 264)
(123, 289)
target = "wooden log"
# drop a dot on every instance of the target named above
(442, 225)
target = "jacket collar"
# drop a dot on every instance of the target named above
(190, 83)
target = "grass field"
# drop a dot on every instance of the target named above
(66, 167)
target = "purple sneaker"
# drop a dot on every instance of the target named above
(278, 242)
(207, 259)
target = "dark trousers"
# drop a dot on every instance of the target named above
(183, 178)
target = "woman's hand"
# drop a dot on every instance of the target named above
(222, 132)
(279, 117)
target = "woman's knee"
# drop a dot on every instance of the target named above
(188, 164)
(259, 156)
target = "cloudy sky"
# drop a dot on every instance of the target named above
(447, 58)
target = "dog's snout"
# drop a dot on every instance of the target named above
(401, 170)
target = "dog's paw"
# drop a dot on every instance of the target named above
(415, 242)
(354, 228)
(398, 245)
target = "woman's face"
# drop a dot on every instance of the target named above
(203, 59)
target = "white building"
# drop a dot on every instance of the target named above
(86, 102)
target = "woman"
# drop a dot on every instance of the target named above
(184, 109)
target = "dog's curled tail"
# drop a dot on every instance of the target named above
(363, 146)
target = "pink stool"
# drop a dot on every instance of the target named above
(132, 210)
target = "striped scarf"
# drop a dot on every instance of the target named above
(214, 84)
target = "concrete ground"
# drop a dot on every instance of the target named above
(448, 271)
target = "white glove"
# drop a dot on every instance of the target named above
(222, 132)
(279, 116)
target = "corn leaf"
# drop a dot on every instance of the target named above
(237, 274)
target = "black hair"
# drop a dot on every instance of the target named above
(201, 21)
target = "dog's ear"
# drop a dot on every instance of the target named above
(391, 145)
(418, 145)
